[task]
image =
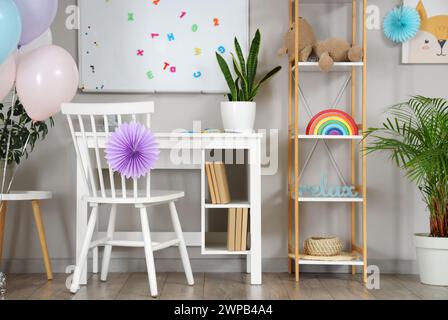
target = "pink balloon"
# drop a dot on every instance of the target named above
(46, 77)
(7, 76)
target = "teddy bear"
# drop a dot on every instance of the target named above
(307, 40)
(327, 52)
(336, 50)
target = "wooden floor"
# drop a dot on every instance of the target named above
(223, 286)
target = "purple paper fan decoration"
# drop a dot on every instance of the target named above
(132, 150)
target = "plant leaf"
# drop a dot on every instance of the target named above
(243, 81)
(227, 75)
(241, 59)
(252, 61)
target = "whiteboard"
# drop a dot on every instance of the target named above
(158, 45)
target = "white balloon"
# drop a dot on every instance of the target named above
(44, 40)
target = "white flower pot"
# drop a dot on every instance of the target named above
(238, 116)
(432, 259)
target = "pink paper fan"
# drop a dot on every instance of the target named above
(132, 150)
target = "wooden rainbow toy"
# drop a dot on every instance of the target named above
(332, 122)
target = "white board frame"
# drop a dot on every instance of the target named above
(84, 90)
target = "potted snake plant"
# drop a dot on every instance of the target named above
(416, 136)
(238, 114)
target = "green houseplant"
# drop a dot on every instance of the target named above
(416, 135)
(239, 112)
(17, 128)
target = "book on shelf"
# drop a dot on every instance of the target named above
(231, 224)
(237, 227)
(218, 184)
(210, 183)
(214, 186)
(245, 219)
(223, 184)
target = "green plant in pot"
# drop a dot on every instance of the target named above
(21, 132)
(238, 114)
(416, 135)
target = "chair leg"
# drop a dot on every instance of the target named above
(3, 205)
(84, 250)
(148, 253)
(43, 241)
(108, 248)
(182, 247)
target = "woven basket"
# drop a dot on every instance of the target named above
(323, 246)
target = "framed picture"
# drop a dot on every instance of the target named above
(430, 46)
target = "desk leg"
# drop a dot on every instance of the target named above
(81, 220)
(255, 213)
(3, 205)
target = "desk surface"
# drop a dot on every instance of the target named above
(186, 135)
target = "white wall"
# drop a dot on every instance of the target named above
(395, 210)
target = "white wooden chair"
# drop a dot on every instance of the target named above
(90, 126)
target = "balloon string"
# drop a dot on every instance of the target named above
(13, 104)
(16, 167)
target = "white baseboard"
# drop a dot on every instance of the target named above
(203, 265)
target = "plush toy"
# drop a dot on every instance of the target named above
(335, 50)
(327, 52)
(307, 40)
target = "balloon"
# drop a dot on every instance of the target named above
(7, 76)
(10, 28)
(46, 77)
(44, 40)
(37, 16)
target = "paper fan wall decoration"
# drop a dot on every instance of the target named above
(332, 122)
(402, 24)
(132, 150)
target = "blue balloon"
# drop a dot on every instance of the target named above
(11, 28)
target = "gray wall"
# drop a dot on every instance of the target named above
(395, 209)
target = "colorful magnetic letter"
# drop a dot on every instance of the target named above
(150, 75)
(153, 35)
(197, 74)
(194, 28)
(221, 49)
(130, 16)
(183, 14)
(166, 65)
(156, 2)
(173, 69)
(171, 37)
(140, 52)
(216, 22)
(197, 51)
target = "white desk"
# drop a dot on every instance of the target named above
(196, 145)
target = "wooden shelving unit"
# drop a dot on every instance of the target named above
(295, 110)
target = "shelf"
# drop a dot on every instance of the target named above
(221, 249)
(314, 137)
(233, 204)
(338, 66)
(324, 1)
(323, 199)
(357, 262)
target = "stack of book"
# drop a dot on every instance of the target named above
(237, 229)
(217, 182)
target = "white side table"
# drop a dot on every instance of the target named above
(34, 197)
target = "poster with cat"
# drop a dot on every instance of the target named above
(430, 46)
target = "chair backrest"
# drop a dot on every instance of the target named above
(91, 124)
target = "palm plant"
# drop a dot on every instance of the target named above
(416, 135)
(244, 87)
